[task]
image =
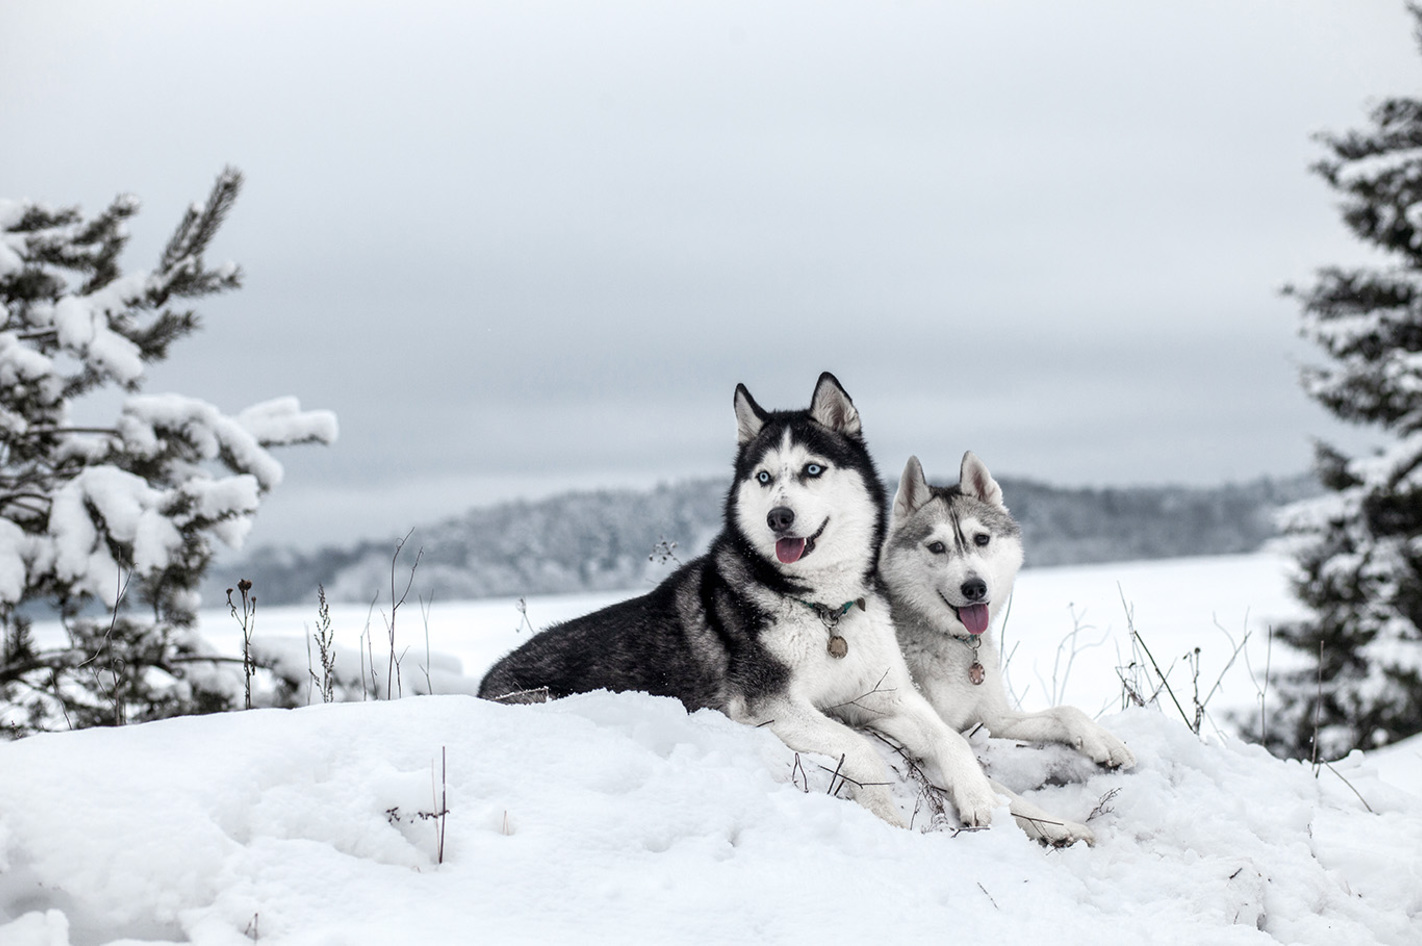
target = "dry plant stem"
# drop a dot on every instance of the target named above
(1351, 788)
(804, 783)
(392, 677)
(247, 620)
(834, 786)
(442, 804)
(664, 551)
(1200, 706)
(1061, 675)
(425, 614)
(1135, 635)
(878, 688)
(1103, 805)
(1317, 708)
(532, 695)
(325, 648)
(927, 791)
(1262, 690)
(524, 622)
(368, 650)
(115, 663)
(310, 671)
(1263, 694)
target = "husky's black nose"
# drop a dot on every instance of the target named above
(780, 519)
(974, 589)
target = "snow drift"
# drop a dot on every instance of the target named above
(621, 818)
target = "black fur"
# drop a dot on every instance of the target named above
(696, 635)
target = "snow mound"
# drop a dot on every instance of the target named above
(621, 818)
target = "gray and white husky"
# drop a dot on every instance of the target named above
(948, 563)
(782, 622)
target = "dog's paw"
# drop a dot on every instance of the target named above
(975, 804)
(1054, 832)
(1105, 749)
(880, 801)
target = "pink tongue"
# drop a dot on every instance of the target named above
(974, 618)
(789, 550)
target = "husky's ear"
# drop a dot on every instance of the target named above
(975, 480)
(831, 407)
(913, 491)
(749, 417)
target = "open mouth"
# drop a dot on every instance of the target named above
(791, 550)
(974, 617)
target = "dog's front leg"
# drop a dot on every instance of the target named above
(1042, 825)
(1067, 725)
(924, 735)
(804, 728)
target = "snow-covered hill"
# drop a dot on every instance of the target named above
(621, 818)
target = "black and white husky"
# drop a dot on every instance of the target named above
(782, 622)
(948, 563)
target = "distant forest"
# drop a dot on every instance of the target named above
(614, 539)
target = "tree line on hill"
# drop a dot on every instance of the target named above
(621, 539)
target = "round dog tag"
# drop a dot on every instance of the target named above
(975, 673)
(838, 646)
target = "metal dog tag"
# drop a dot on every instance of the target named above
(838, 646)
(976, 673)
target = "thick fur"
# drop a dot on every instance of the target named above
(732, 630)
(947, 550)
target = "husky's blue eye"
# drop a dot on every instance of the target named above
(813, 469)
(763, 478)
(937, 548)
(982, 538)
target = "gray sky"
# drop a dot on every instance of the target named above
(525, 246)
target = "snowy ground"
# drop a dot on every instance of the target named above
(621, 818)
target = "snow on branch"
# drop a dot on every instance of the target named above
(153, 424)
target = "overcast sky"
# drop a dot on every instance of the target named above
(526, 246)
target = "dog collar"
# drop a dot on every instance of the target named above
(829, 616)
(976, 673)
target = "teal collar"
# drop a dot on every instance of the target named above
(831, 614)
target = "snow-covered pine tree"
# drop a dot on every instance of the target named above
(109, 528)
(1360, 554)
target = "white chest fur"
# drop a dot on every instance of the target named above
(942, 666)
(871, 663)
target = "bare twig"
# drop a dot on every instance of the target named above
(878, 688)
(425, 615)
(1330, 767)
(663, 552)
(1103, 805)
(248, 622)
(833, 787)
(524, 622)
(989, 896)
(533, 695)
(928, 793)
(1060, 675)
(1200, 706)
(442, 804)
(325, 647)
(392, 674)
(804, 783)
(1317, 708)
(1135, 636)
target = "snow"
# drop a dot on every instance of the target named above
(622, 818)
(83, 324)
(281, 420)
